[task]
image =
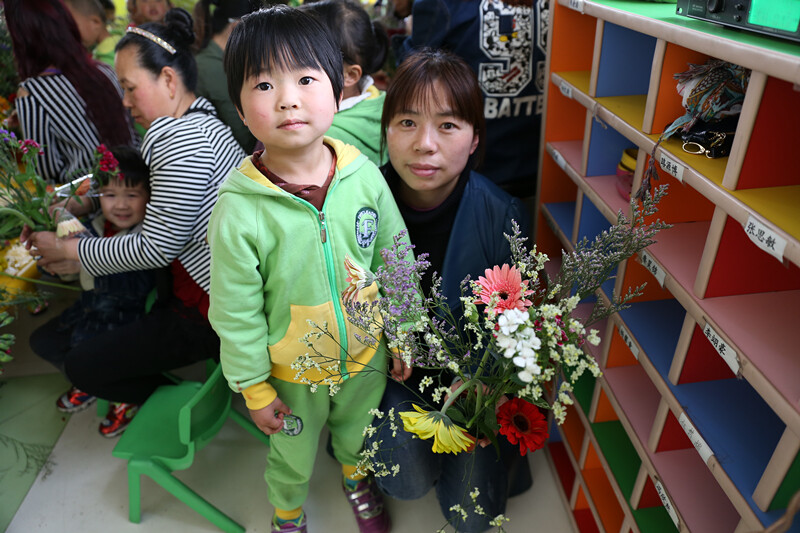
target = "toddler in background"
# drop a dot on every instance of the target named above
(92, 21)
(141, 11)
(364, 46)
(107, 302)
(280, 231)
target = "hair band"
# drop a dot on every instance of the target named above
(153, 37)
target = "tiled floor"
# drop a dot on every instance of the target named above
(84, 489)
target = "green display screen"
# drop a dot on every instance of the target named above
(777, 14)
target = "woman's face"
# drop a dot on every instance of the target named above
(147, 96)
(429, 148)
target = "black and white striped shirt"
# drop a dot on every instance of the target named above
(189, 158)
(54, 115)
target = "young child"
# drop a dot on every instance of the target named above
(90, 16)
(280, 231)
(433, 127)
(364, 46)
(107, 302)
(141, 11)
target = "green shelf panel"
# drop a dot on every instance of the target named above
(666, 13)
(619, 453)
(583, 390)
(790, 485)
(653, 520)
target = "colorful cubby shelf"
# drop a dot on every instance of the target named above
(695, 423)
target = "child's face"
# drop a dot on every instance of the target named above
(150, 10)
(288, 110)
(89, 26)
(122, 205)
(429, 148)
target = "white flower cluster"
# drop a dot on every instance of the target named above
(518, 341)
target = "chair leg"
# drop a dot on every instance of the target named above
(102, 407)
(134, 494)
(248, 424)
(177, 488)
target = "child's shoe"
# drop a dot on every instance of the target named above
(367, 502)
(118, 417)
(74, 400)
(290, 526)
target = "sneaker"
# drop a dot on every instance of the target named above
(290, 527)
(118, 417)
(367, 503)
(74, 400)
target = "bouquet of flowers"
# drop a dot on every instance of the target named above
(515, 345)
(27, 198)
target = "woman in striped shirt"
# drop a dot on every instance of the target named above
(68, 103)
(190, 152)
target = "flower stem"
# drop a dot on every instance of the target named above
(456, 393)
(42, 282)
(25, 219)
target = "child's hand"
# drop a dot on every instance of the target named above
(270, 418)
(400, 370)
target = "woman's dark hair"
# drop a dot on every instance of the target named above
(44, 34)
(414, 84)
(132, 166)
(213, 16)
(177, 31)
(362, 41)
(280, 38)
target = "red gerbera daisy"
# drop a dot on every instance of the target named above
(522, 422)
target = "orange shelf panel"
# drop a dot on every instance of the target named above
(669, 104)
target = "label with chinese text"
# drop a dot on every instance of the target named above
(628, 341)
(672, 167)
(665, 501)
(559, 159)
(699, 444)
(566, 89)
(724, 350)
(654, 268)
(765, 238)
(577, 5)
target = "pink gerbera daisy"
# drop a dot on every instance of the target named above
(507, 282)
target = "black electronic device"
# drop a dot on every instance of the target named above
(779, 18)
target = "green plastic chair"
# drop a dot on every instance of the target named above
(172, 425)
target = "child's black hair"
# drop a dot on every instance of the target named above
(280, 38)
(363, 42)
(134, 170)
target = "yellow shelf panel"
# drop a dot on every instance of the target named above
(779, 205)
(579, 79)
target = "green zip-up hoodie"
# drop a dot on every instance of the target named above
(277, 262)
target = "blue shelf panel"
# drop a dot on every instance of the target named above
(592, 222)
(564, 215)
(734, 420)
(605, 150)
(656, 326)
(626, 60)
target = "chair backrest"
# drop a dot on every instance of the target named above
(205, 413)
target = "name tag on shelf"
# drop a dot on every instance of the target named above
(628, 341)
(665, 501)
(724, 350)
(559, 159)
(765, 238)
(654, 268)
(565, 88)
(672, 167)
(577, 5)
(700, 445)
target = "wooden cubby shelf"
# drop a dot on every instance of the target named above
(694, 424)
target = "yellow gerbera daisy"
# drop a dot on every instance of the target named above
(447, 436)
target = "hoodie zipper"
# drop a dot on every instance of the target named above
(327, 252)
